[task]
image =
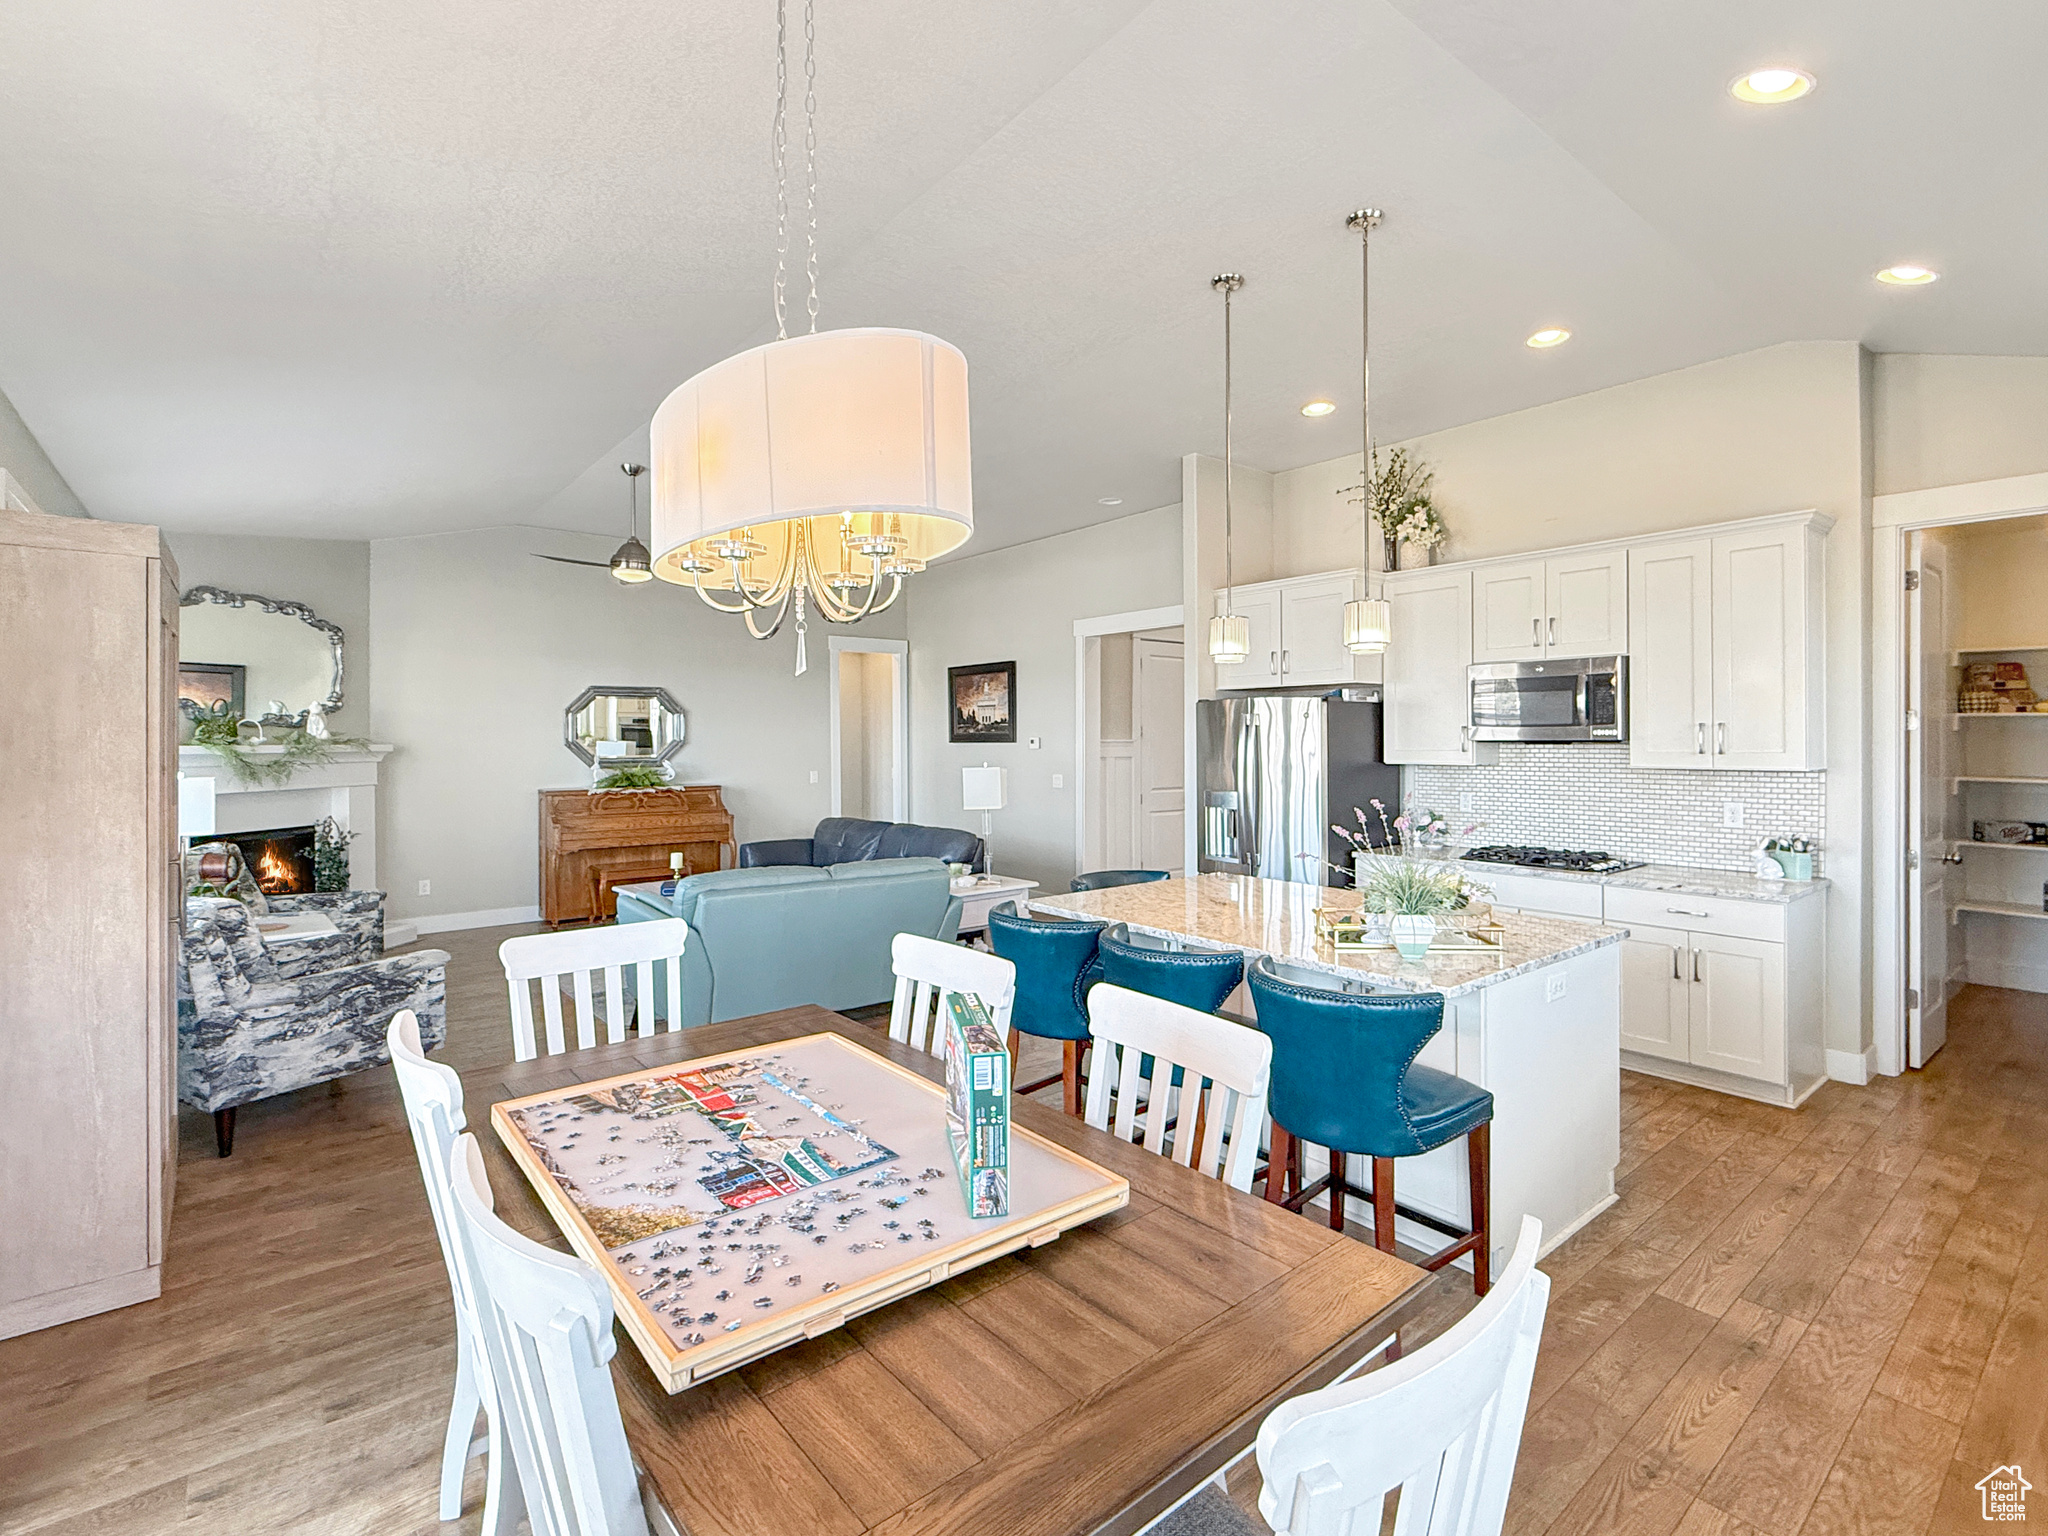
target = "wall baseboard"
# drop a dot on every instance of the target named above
(494, 917)
(2010, 974)
(1857, 1067)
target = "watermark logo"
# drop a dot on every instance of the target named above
(2005, 1493)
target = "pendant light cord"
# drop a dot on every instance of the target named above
(780, 142)
(1363, 221)
(1229, 282)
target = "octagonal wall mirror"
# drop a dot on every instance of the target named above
(266, 658)
(623, 725)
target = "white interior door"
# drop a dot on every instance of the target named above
(1929, 741)
(1156, 693)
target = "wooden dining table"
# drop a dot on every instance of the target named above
(1084, 1386)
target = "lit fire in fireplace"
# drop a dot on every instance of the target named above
(274, 872)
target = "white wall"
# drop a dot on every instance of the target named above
(330, 576)
(1777, 430)
(867, 737)
(1020, 604)
(1952, 420)
(23, 457)
(478, 647)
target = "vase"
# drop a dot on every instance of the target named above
(1391, 561)
(1412, 934)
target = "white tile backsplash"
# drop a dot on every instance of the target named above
(1588, 797)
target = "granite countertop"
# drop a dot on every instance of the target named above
(1678, 879)
(1277, 918)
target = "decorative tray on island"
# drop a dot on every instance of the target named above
(741, 1202)
(1348, 930)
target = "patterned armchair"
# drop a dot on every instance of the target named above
(249, 1029)
(358, 914)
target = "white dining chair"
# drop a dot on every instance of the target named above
(546, 1321)
(1215, 1115)
(1443, 1424)
(654, 950)
(926, 970)
(433, 1107)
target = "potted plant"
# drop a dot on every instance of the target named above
(1411, 895)
(1794, 855)
(1402, 507)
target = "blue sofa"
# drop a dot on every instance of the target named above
(848, 840)
(775, 937)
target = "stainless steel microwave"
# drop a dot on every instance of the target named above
(1582, 700)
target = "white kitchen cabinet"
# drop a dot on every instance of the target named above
(1296, 628)
(1656, 1006)
(1312, 629)
(1670, 654)
(1726, 667)
(1585, 603)
(1738, 1006)
(1428, 714)
(1767, 640)
(1717, 991)
(1567, 605)
(1259, 606)
(1508, 611)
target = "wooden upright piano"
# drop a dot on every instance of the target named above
(590, 843)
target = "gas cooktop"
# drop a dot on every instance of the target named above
(1554, 858)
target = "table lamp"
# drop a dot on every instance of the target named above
(983, 789)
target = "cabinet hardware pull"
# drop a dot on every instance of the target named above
(1675, 976)
(1686, 912)
(1700, 740)
(1535, 630)
(1273, 663)
(1553, 630)
(1283, 661)
(1695, 965)
(1720, 737)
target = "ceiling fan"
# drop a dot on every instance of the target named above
(630, 562)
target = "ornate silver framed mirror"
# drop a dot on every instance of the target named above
(609, 724)
(266, 658)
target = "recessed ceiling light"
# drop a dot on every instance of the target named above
(1550, 336)
(1318, 408)
(1109, 501)
(1771, 87)
(1907, 275)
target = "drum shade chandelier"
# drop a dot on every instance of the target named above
(818, 470)
(1368, 622)
(1229, 635)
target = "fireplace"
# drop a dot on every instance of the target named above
(281, 858)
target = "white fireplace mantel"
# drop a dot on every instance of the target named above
(345, 788)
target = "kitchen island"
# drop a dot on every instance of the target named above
(1538, 1023)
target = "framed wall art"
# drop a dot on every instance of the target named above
(203, 684)
(981, 702)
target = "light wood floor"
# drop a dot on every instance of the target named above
(1829, 1320)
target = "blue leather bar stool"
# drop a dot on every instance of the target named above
(1103, 879)
(1056, 965)
(1195, 978)
(1345, 1078)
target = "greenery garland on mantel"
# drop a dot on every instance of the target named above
(274, 762)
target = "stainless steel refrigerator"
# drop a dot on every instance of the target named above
(1276, 770)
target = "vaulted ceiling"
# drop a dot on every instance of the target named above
(360, 268)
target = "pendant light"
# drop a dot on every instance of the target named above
(818, 470)
(1229, 635)
(1369, 621)
(630, 559)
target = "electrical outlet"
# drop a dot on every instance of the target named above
(1467, 804)
(814, 775)
(426, 887)
(1031, 742)
(1059, 781)
(1553, 986)
(1731, 813)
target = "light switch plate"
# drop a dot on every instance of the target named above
(1059, 781)
(1553, 986)
(1031, 742)
(814, 775)
(426, 887)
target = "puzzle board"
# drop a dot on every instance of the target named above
(741, 1202)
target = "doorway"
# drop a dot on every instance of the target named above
(1132, 690)
(1963, 638)
(870, 719)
